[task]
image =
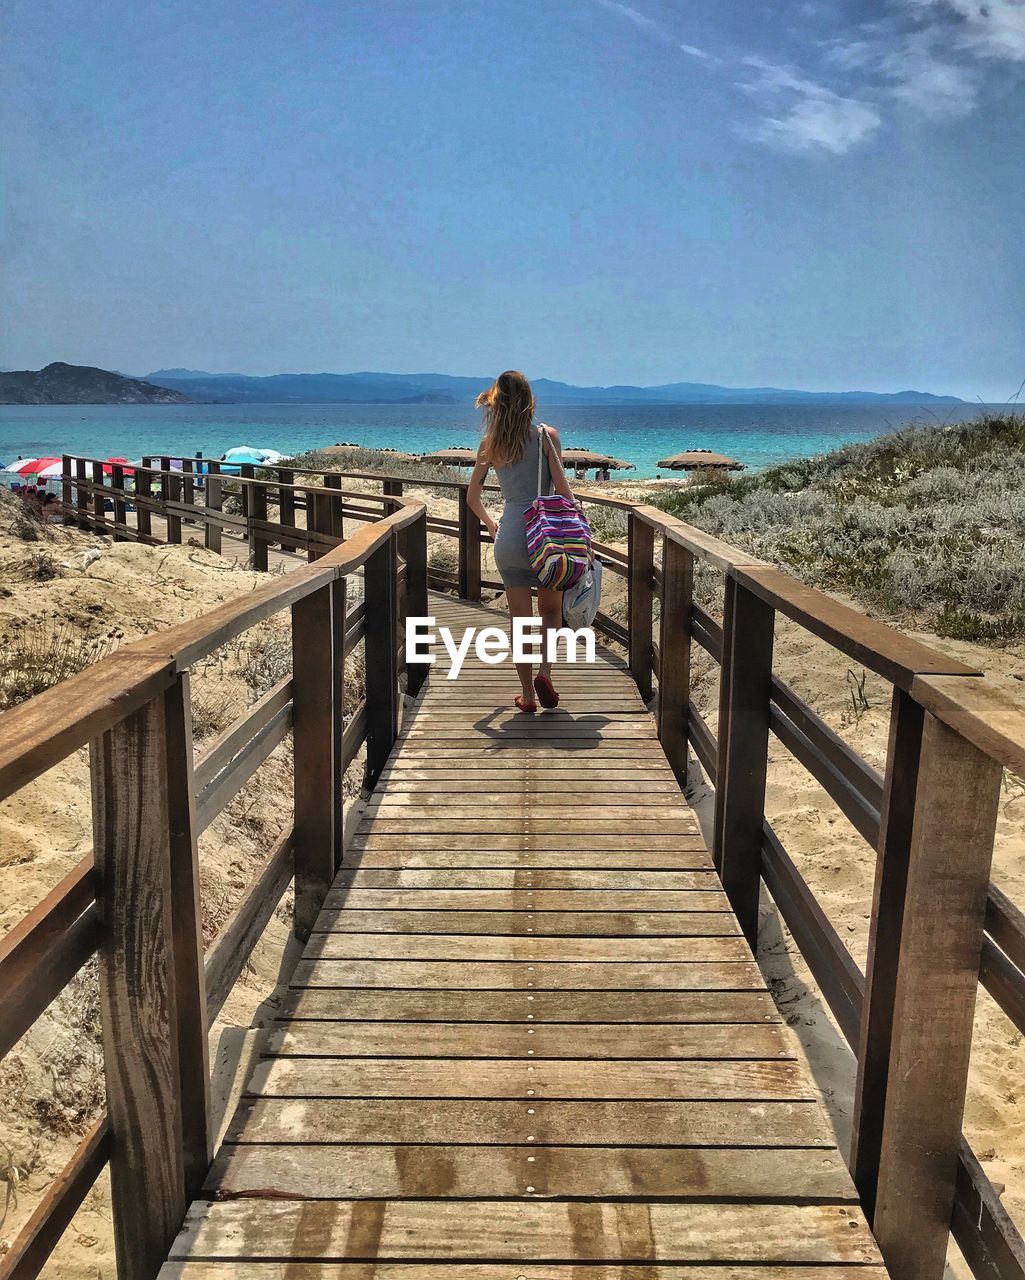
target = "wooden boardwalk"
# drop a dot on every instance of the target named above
(527, 1040)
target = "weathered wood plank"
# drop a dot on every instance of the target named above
(631, 1173)
(392, 946)
(504, 1271)
(526, 839)
(546, 1123)
(696, 858)
(557, 1007)
(517, 976)
(526, 878)
(526, 1078)
(513, 900)
(545, 924)
(605, 1041)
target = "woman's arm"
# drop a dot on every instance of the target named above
(474, 496)
(553, 446)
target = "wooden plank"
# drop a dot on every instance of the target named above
(990, 715)
(190, 1000)
(874, 1017)
(948, 874)
(643, 1007)
(694, 858)
(524, 1078)
(46, 948)
(234, 944)
(884, 650)
(443, 779)
(517, 976)
(212, 800)
(612, 924)
(528, 878)
(535, 729)
(743, 755)
(606, 1042)
(381, 659)
(313, 706)
(137, 998)
(470, 948)
(569, 900)
(227, 745)
(526, 838)
(682, 823)
(590, 1124)
(632, 1173)
(504, 1271)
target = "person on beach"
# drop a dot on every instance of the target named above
(510, 444)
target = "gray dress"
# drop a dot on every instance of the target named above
(519, 489)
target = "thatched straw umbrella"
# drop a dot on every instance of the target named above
(700, 460)
(452, 457)
(585, 459)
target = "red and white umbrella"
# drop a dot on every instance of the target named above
(108, 469)
(30, 466)
(53, 472)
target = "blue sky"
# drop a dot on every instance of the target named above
(822, 194)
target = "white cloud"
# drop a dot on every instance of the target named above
(701, 54)
(803, 115)
(911, 67)
(987, 28)
(632, 15)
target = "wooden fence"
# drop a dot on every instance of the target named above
(135, 902)
(938, 925)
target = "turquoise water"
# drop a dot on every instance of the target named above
(757, 435)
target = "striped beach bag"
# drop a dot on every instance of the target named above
(558, 535)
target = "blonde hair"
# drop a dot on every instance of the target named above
(508, 406)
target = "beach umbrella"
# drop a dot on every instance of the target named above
(454, 456)
(29, 466)
(700, 460)
(585, 459)
(53, 472)
(108, 466)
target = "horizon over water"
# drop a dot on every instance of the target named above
(757, 435)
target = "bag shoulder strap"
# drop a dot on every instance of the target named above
(540, 456)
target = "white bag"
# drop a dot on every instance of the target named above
(580, 601)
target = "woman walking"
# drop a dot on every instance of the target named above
(511, 444)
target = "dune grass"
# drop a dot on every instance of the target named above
(925, 525)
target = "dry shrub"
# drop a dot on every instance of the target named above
(266, 659)
(42, 654)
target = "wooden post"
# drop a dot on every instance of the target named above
(469, 550)
(188, 486)
(414, 551)
(214, 503)
(884, 942)
(117, 480)
(642, 566)
(170, 491)
(137, 995)
(333, 507)
(143, 489)
(674, 654)
(66, 486)
(392, 488)
(339, 621)
(381, 658)
(743, 763)
(318, 520)
(99, 498)
(937, 978)
(81, 494)
(187, 941)
(258, 541)
(313, 734)
(245, 474)
(723, 720)
(286, 502)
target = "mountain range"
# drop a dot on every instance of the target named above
(61, 383)
(441, 388)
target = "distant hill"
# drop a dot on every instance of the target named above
(441, 388)
(61, 383)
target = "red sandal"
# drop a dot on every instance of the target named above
(528, 708)
(545, 691)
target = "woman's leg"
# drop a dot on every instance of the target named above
(549, 606)
(521, 605)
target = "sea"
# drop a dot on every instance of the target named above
(756, 435)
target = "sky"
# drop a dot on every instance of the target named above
(823, 195)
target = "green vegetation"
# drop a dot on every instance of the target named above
(926, 524)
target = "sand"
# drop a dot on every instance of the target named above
(51, 1084)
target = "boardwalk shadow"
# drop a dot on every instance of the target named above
(558, 730)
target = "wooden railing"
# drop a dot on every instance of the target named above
(135, 903)
(937, 927)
